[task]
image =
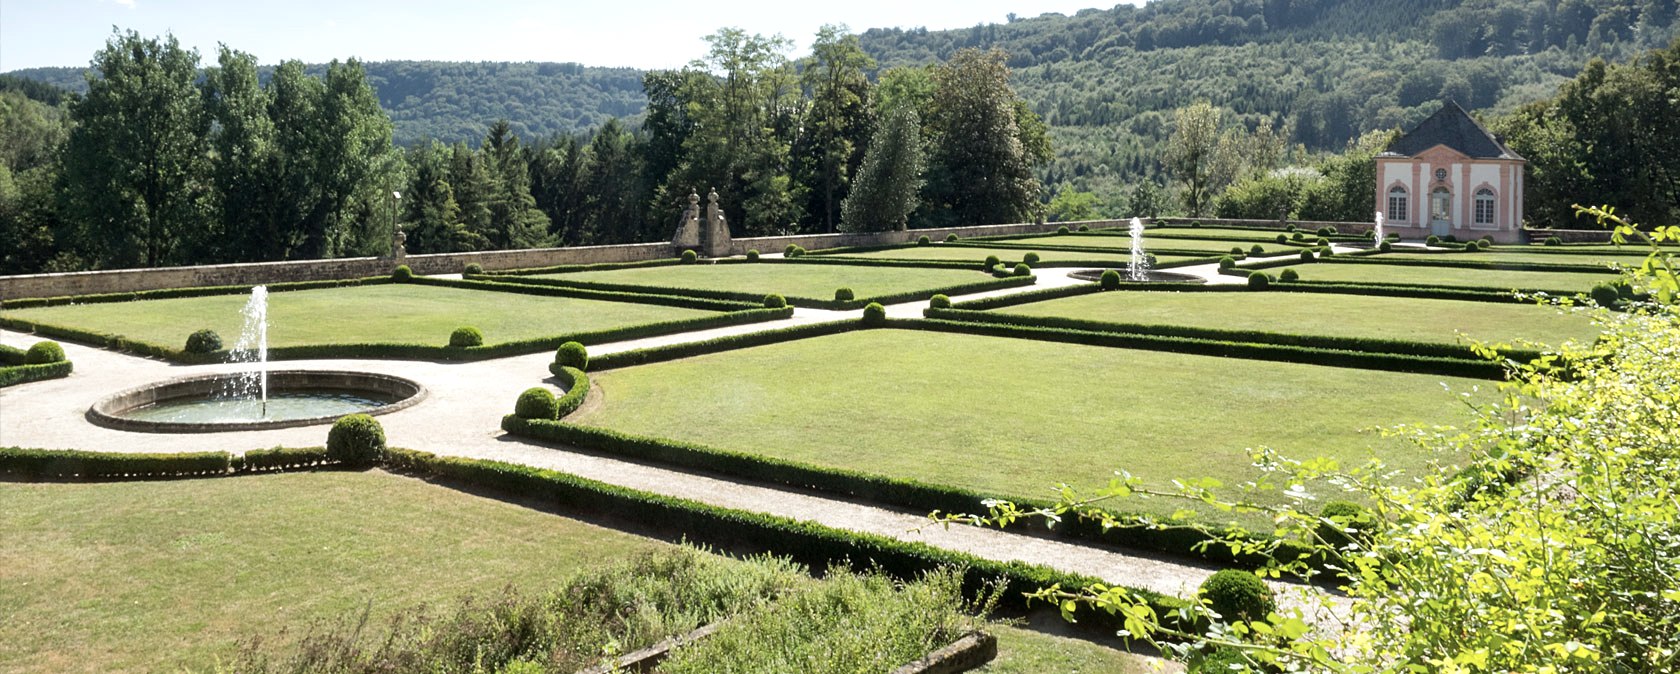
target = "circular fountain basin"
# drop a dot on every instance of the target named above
(1152, 276)
(296, 398)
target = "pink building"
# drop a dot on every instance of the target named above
(1449, 176)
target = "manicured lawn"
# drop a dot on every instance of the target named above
(170, 575)
(815, 281)
(1451, 277)
(1150, 243)
(395, 313)
(1009, 255)
(1517, 256)
(1247, 235)
(1323, 314)
(1022, 651)
(1015, 417)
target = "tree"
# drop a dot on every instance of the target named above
(135, 158)
(1196, 157)
(837, 124)
(1072, 206)
(885, 193)
(613, 192)
(981, 171)
(243, 163)
(1350, 180)
(434, 215)
(514, 221)
(352, 141)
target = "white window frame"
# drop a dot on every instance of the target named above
(1399, 204)
(1486, 202)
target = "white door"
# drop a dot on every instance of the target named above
(1440, 212)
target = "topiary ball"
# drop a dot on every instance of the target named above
(788, 251)
(1283, 238)
(1259, 281)
(1023, 269)
(1084, 228)
(950, 238)
(1326, 251)
(537, 403)
(774, 301)
(1062, 230)
(874, 314)
(1227, 262)
(1385, 247)
(1604, 295)
(44, 352)
(462, 338)
(1289, 228)
(1324, 231)
(1236, 250)
(923, 240)
(1307, 256)
(1472, 246)
(204, 341)
(940, 302)
(1432, 240)
(1237, 595)
(690, 257)
(572, 354)
(357, 440)
(1110, 280)
(473, 268)
(1197, 223)
(1350, 522)
(402, 273)
(798, 251)
(1256, 250)
(1030, 258)
(1332, 230)
(992, 261)
(752, 255)
(1298, 237)
(1289, 275)
(1321, 242)
(844, 295)
(1553, 241)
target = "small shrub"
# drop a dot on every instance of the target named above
(1332, 229)
(464, 337)
(356, 439)
(1196, 223)
(1283, 238)
(1111, 280)
(1325, 231)
(874, 314)
(1472, 246)
(473, 268)
(1218, 661)
(1227, 262)
(923, 240)
(1084, 228)
(788, 251)
(1030, 258)
(1289, 275)
(844, 295)
(1487, 240)
(44, 352)
(1256, 250)
(204, 341)
(1385, 247)
(940, 302)
(1321, 242)
(1151, 258)
(690, 257)
(1450, 238)
(752, 255)
(1432, 240)
(1259, 280)
(951, 238)
(1289, 228)
(572, 354)
(402, 273)
(1349, 516)
(1307, 256)
(774, 301)
(1062, 230)
(1325, 251)
(1023, 269)
(1604, 294)
(992, 261)
(1554, 241)
(1237, 595)
(537, 403)
(1236, 250)
(1298, 237)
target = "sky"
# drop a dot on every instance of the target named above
(635, 33)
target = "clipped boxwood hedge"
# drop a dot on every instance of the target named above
(36, 464)
(656, 354)
(809, 302)
(1447, 260)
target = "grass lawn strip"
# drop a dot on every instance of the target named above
(1006, 255)
(1604, 258)
(1324, 314)
(1150, 243)
(1452, 277)
(816, 281)
(392, 313)
(1014, 417)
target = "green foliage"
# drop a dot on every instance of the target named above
(1385, 247)
(537, 402)
(1342, 523)
(357, 440)
(1553, 241)
(1030, 258)
(923, 240)
(939, 302)
(1256, 250)
(991, 261)
(1283, 238)
(844, 295)
(204, 341)
(473, 268)
(793, 250)
(1236, 250)
(1237, 595)
(1606, 295)
(1306, 256)
(774, 301)
(44, 352)
(402, 274)
(1227, 262)
(985, 144)
(464, 337)
(889, 183)
(1289, 274)
(874, 314)
(1022, 269)
(1432, 240)
(690, 257)
(58, 464)
(1259, 280)
(573, 355)
(1073, 206)
(752, 255)
(1084, 228)
(951, 238)
(1110, 279)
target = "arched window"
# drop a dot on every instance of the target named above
(1484, 206)
(1397, 203)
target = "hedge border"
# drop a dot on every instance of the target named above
(12, 375)
(200, 291)
(577, 388)
(658, 354)
(808, 302)
(1418, 290)
(1479, 264)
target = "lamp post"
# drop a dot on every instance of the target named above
(396, 232)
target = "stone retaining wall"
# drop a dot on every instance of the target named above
(776, 244)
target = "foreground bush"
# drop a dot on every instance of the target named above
(1237, 595)
(356, 440)
(874, 314)
(42, 353)
(572, 354)
(774, 301)
(752, 255)
(1110, 280)
(466, 336)
(537, 403)
(939, 302)
(844, 295)
(473, 268)
(690, 257)
(402, 273)
(204, 341)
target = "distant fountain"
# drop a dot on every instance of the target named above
(1379, 229)
(1139, 269)
(252, 347)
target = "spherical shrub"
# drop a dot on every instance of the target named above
(537, 403)
(1307, 256)
(356, 439)
(1227, 262)
(1196, 223)
(774, 301)
(1354, 520)
(1111, 280)
(951, 238)
(464, 337)
(44, 352)
(844, 295)
(1062, 230)
(1553, 241)
(1259, 280)
(1385, 247)
(1472, 246)
(1289, 228)
(690, 257)
(1450, 238)
(1256, 250)
(1332, 229)
(788, 251)
(1237, 595)
(1218, 661)
(992, 261)
(1432, 240)
(874, 314)
(1084, 228)
(1151, 258)
(752, 255)
(923, 240)
(473, 268)
(1030, 258)
(1282, 238)
(1022, 269)
(1322, 241)
(1297, 237)
(572, 354)
(1325, 251)
(1289, 275)
(940, 302)
(402, 273)
(1236, 250)
(204, 341)
(1604, 294)
(1325, 231)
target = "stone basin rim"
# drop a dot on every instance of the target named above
(107, 412)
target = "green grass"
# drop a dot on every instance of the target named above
(1241, 235)
(1150, 243)
(1324, 314)
(815, 281)
(1008, 255)
(395, 313)
(1015, 417)
(1451, 277)
(1524, 257)
(166, 575)
(1023, 651)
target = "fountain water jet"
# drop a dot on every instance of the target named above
(1139, 269)
(1379, 239)
(252, 347)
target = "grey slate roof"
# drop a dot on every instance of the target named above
(1451, 126)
